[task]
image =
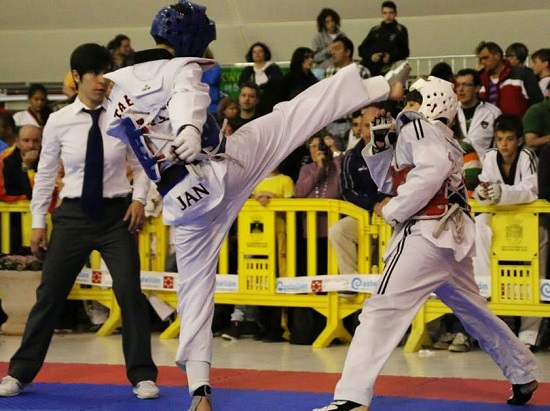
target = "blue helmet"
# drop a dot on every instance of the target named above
(186, 27)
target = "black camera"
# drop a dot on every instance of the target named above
(323, 148)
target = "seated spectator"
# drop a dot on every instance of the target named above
(227, 109)
(331, 144)
(213, 77)
(18, 165)
(299, 76)
(443, 71)
(541, 67)
(7, 131)
(249, 101)
(475, 117)
(69, 86)
(121, 50)
(264, 73)
(38, 112)
(358, 188)
(516, 54)
(342, 55)
(544, 190)
(509, 176)
(276, 185)
(354, 133)
(536, 124)
(319, 179)
(328, 28)
(511, 89)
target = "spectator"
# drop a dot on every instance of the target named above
(17, 167)
(249, 101)
(276, 185)
(38, 112)
(357, 188)
(475, 117)
(121, 50)
(342, 55)
(544, 190)
(95, 214)
(509, 176)
(328, 28)
(264, 73)
(227, 109)
(299, 76)
(541, 67)
(319, 179)
(536, 124)
(443, 71)
(354, 133)
(7, 131)
(213, 78)
(503, 85)
(516, 54)
(69, 86)
(386, 43)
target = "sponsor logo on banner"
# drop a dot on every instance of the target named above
(168, 282)
(317, 286)
(96, 277)
(227, 283)
(545, 290)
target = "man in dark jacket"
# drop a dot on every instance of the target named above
(386, 43)
(358, 188)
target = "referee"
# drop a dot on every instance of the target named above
(96, 213)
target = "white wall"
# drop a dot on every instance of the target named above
(43, 55)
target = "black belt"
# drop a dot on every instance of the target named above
(115, 200)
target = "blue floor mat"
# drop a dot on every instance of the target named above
(50, 397)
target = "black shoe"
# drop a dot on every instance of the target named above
(233, 332)
(203, 393)
(341, 405)
(521, 393)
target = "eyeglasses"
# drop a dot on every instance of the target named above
(465, 85)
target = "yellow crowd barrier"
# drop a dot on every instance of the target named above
(515, 262)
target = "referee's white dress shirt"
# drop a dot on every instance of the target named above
(65, 138)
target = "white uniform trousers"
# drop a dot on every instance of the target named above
(259, 146)
(414, 270)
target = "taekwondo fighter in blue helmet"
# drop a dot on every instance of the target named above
(159, 107)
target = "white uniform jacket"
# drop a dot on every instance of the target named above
(525, 187)
(480, 134)
(436, 159)
(166, 94)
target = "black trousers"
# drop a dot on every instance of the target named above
(73, 238)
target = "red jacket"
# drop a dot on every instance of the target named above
(517, 89)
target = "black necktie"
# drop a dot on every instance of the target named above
(91, 199)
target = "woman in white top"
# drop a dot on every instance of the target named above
(264, 73)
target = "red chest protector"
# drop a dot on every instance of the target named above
(436, 207)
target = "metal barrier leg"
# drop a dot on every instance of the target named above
(419, 333)
(114, 321)
(172, 331)
(335, 325)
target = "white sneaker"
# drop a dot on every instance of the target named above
(10, 387)
(146, 390)
(400, 74)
